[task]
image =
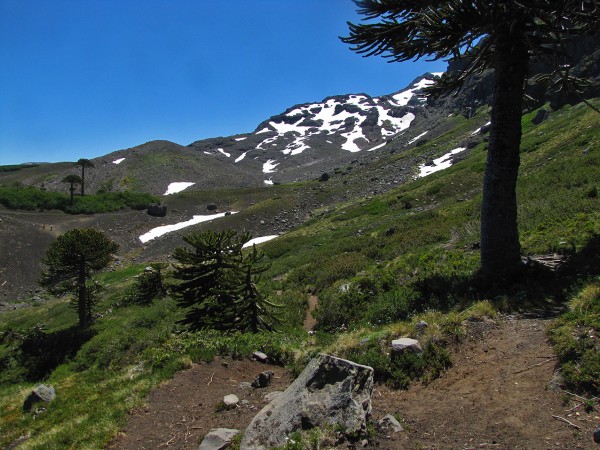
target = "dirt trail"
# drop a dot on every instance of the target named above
(495, 396)
(309, 320)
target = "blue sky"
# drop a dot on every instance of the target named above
(83, 78)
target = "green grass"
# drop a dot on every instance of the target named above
(32, 198)
(575, 337)
(377, 266)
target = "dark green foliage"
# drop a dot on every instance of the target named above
(253, 311)
(16, 167)
(392, 306)
(400, 370)
(31, 198)
(218, 283)
(71, 261)
(149, 285)
(73, 180)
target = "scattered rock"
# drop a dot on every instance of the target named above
(231, 400)
(157, 210)
(245, 385)
(390, 424)
(272, 395)
(541, 115)
(421, 325)
(218, 438)
(324, 177)
(402, 345)
(596, 435)
(330, 391)
(556, 382)
(42, 393)
(263, 379)
(148, 269)
(211, 207)
(260, 357)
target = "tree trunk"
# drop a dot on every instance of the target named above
(72, 189)
(82, 309)
(500, 250)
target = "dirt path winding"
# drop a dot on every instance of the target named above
(495, 396)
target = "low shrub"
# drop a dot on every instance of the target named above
(575, 337)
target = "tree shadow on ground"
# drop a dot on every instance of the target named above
(537, 288)
(39, 353)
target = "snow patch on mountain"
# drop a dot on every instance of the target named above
(416, 138)
(259, 240)
(220, 150)
(269, 166)
(118, 161)
(160, 231)
(443, 162)
(179, 186)
(241, 138)
(242, 156)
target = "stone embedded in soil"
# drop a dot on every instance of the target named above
(263, 379)
(260, 357)
(330, 391)
(42, 393)
(230, 400)
(218, 439)
(272, 395)
(597, 435)
(405, 344)
(389, 423)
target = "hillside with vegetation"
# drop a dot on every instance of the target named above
(375, 258)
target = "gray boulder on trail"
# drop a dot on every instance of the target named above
(330, 391)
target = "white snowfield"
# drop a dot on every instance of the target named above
(443, 162)
(332, 123)
(259, 240)
(118, 161)
(220, 150)
(179, 186)
(479, 129)
(159, 231)
(269, 166)
(416, 138)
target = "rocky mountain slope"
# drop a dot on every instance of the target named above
(299, 144)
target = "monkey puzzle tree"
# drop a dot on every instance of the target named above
(254, 311)
(217, 283)
(71, 261)
(503, 35)
(73, 180)
(83, 163)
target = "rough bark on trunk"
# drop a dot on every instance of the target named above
(82, 297)
(500, 250)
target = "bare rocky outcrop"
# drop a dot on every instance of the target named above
(330, 391)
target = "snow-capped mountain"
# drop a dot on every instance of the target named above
(299, 144)
(311, 138)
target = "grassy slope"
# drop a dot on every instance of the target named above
(376, 244)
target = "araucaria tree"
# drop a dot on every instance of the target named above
(71, 261)
(83, 163)
(73, 180)
(503, 35)
(217, 283)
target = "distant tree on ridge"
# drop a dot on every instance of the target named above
(83, 163)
